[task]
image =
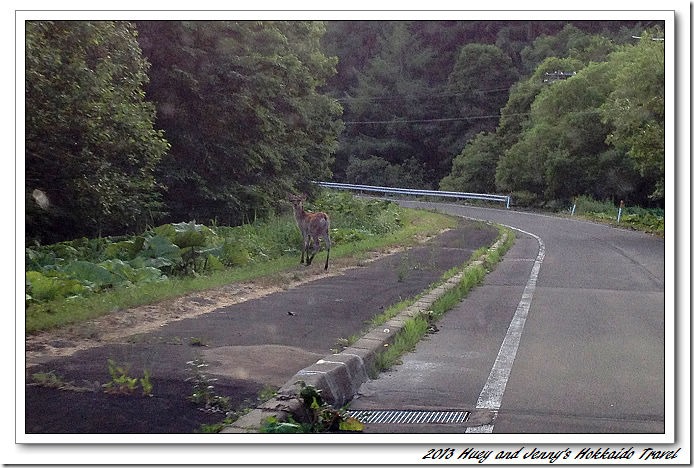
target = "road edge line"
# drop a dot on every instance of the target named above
(493, 391)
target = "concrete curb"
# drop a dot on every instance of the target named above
(339, 376)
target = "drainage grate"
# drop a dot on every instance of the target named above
(409, 416)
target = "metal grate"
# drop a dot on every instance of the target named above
(409, 416)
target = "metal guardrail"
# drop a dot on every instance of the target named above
(405, 191)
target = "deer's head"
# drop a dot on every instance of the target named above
(297, 201)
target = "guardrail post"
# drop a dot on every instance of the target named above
(619, 213)
(508, 202)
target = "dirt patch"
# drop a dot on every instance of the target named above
(240, 362)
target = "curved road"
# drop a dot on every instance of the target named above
(566, 335)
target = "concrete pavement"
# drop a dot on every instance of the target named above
(592, 355)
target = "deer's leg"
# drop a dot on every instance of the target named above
(327, 248)
(314, 250)
(304, 248)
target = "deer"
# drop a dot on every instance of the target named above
(313, 226)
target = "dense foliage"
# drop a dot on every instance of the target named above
(91, 147)
(452, 104)
(239, 102)
(596, 133)
(85, 266)
(131, 125)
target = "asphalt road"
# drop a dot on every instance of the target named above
(566, 335)
(246, 347)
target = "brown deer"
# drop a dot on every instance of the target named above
(313, 226)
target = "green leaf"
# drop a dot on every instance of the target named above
(192, 235)
(186, 234)
(90, 137)
(45, 288)
(160, 246)
(351, 424)
(214, 264)
(93, 273)
(134, 275)
(126, 249)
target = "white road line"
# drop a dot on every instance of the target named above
(493, 390)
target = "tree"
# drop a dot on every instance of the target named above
(241, 105)
(557, 45)
(562, 151)
(421, 90)
(519, 165)
(378, 171)
(387, 97)
(479, 84)
(636, 108)
(91, 146)
(475, 168)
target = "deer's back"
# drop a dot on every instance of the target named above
(318, 223)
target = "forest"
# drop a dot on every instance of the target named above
(135, 124)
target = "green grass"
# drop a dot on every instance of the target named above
(405, 341)
(64, 311)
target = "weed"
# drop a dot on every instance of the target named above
(228, 420)
(406, 226)
(405, 341)
(146, 383)
(203, 389)
(196, 341)
(391, 312)
(403, 267)
(320, 416)
(417, 327)
(173, 340)
(122, 384)
(340, 344)
(272, 425)
(214, 428)
(648, 220)
(47, 379)
(267, 393)
(51, 380)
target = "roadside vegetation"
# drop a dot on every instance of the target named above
(650, 220)
(417, 327)
(73, 281)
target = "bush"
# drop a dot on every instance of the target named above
(586, 204)
(525, 199)
(373, 216)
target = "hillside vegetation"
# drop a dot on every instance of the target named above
(150, 123)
